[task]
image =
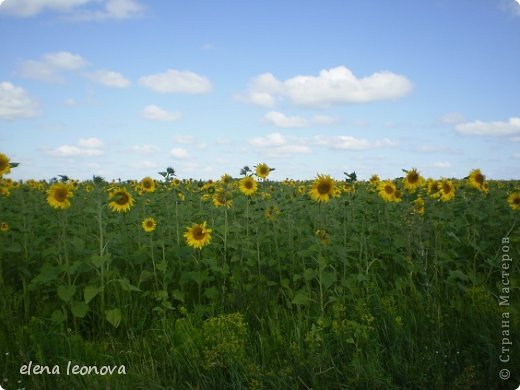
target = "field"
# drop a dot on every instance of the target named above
(255, 284)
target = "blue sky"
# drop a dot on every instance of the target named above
(125, 88)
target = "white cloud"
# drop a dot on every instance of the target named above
(279, 119)
(346, 142)
(104, 9)
(15, 103)
(180, 153)
(86, 147)
(145, 149)
(26, 8)
(91, 143)
(50, 66)
(184, 139)
(156, 113)
(71, 151)
(452, 118)
(174, 81)
(498, 128)
(442, 164)
(144, 164)
(332, 86)
(278, 145)
(109, 79)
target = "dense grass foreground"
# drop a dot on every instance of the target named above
(356, 292)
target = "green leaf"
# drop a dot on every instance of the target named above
(90, 292)
(301, 297)
(113, 317)
(211, 293)
(125, 285)
(98, 261)
(66, 292)
(308, 274)
(79, 309)
(162, 266)
(328, 278)
(178, 295)
(58, 316)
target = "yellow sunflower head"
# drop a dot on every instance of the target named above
(221, 198)
(413, 180)
(374, 180)
(58, 196)
(477, 180)
(514, 200)
(323, 188)
(446, 190)
(149, 224)
(272, 213)
(387, 190)
(5, 166)
(120, 200)
(147, 185)
(433, 188)
(225, 178)
(198, 235)
(262, 170)
(4, 227)
(248, 186)
(418, 206)
(323, 236)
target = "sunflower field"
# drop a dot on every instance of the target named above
(249, 283)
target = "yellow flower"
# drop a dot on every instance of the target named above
(222, 199)
(374, 180)
(447, 190)
(149, 224)
(5, 166)
(418, 205)
(514, 200)
(272, 213)
(248, 186)
(58, 196)
(181, 197)
(477, 180)
(301, 189)
(198, 235)
(323, 188)
(147, 184)
(120, 200)
(434, 188)
(262, 170)
(4, 227)
(323, 236)
(387, 191)
(413, 180)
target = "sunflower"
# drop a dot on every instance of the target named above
(514, 200)
(149, 224)
(225, 178)
(147, 185)
(120, 200)
(5, 166)
(434, 187)
(4, 227)
(477, 180)
(413, 180)
(301, 189)
(447, 190)
(323, 236)
(323, 188)
(374, 180)
(262, 170)
(272, 213)
(222, 199)
(58, 196)
(248, 185)
(418, 206)
(387, 191)
(198, 235)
